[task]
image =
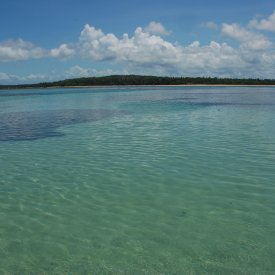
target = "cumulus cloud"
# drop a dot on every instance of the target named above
(63, 51)
(6, 78)
(264, 24)
(156, 28)
(248, 39)
(210, 25)
(15, 50)
(19, 50)
(78, 71)
(93, 43)
(142, 47)
(146, 51)
(72, 72)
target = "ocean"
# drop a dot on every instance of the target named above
(137, 180)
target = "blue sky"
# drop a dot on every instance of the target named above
(57, 39)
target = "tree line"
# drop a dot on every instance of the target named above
(114, 80)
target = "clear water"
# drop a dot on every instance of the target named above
(137, 181)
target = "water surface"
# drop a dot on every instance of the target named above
(175, 180)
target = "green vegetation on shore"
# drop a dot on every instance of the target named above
(114, 80)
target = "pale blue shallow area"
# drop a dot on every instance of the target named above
(160, 180)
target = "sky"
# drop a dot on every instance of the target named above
(47, 40)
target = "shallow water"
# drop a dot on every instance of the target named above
(130, 180)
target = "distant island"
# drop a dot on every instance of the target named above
(118, 80)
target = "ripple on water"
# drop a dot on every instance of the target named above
(42, 124)
(183, 185)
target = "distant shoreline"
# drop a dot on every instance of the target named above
(179, 85)
(113, 81)
(136, 86)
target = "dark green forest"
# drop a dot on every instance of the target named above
(114, 80)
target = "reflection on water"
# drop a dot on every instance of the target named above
(42, 124)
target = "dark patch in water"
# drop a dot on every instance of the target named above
(43, 124)
(182, 213)
(182, 99)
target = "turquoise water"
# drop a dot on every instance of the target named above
(174, 180)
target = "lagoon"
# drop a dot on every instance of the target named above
(137, 180)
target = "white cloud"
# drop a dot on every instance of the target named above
(264, 24)
(146, 52)
(6, 78)
(19, 50)
(210, 25)
(248, 39)
(15, 50)
(156, 28)
(142, 48)
(78, 71)
(95, 44)
(196, 59)
(72, 72)
(62, 52)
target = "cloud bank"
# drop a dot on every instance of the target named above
(147, 51)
